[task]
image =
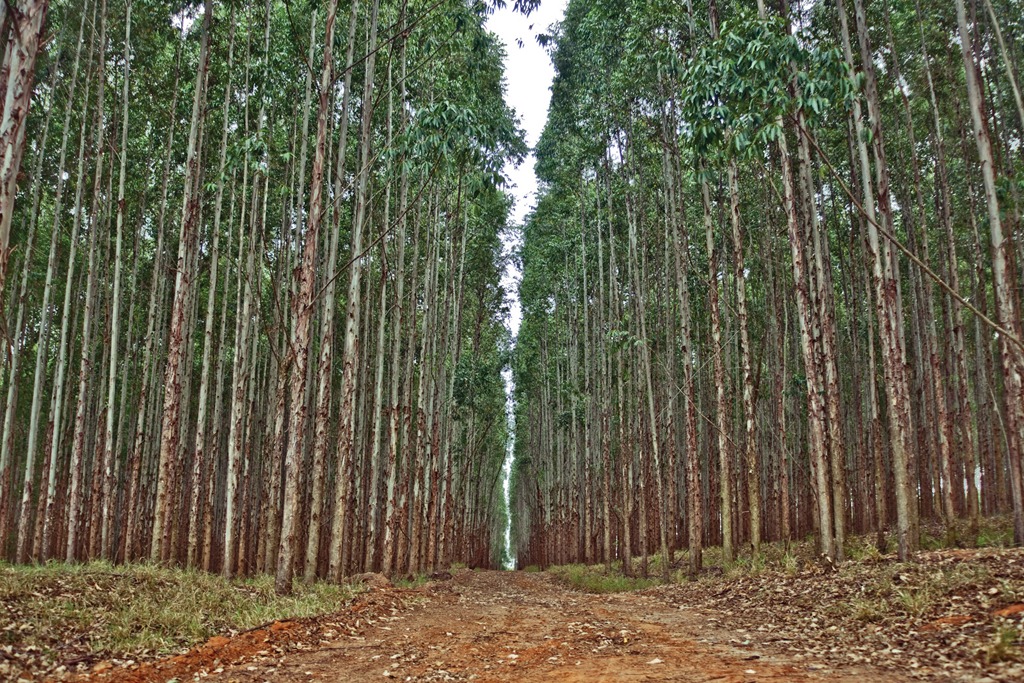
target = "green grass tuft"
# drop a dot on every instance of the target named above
(412, 581)
(597, 579)
(1006, 646)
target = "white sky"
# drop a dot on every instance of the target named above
(528, 72)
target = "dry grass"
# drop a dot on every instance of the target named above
(58, 615)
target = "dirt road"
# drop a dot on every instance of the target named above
(499, 626)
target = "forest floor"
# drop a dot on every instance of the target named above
(492, 626)
(952, 614)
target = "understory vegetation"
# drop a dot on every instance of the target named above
(59, 615)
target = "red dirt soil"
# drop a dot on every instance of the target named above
(487, 627)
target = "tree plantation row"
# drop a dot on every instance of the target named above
(772, 287)
(251, 263)
(252, 303)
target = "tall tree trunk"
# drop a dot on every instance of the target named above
(753, 471)
(721, 404)
(85, 369)
(350, 351)
(26, 23)
(889, 316)
(815, 403)
(115, 315)
(170, 431)
(302, 312)
(321, 420)
(1010, 349)
(391, 504)
(19, 334)
(202, 449)
(44, 324)
(64, 350)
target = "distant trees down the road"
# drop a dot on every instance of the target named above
(253, 320)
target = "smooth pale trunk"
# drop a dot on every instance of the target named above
(391, 502)
(321, 419)
(241, 363)
(19, 72)
(821, 298)
(115, 315)
(62, 362)
(1010, 351)
(966, 423)
(24, 520)
(170, 431)
(752, 474)
(302, 313)
(201, 448)
(815, 404)
(721, 408)
(85, 368)
(346, 420)
(376, 466)
(638, 282)
(889, 313)
(148, 400)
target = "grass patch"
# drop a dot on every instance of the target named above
(862, 549)
(56, 613)
(790, 565)
(913, 602)
(994, 532)
(412, 581)
(799, 556)
(597, 579)
(867, 610)
(1005, 647)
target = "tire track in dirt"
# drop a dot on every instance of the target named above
(497, 627)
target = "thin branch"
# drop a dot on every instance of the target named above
(913, 257)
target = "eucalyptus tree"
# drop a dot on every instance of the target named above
(781, 207)
(1011, 349)
(24, 549)
(302, 306)
(781, 129)
(170, 433)
(186, 447)
(22, 25)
